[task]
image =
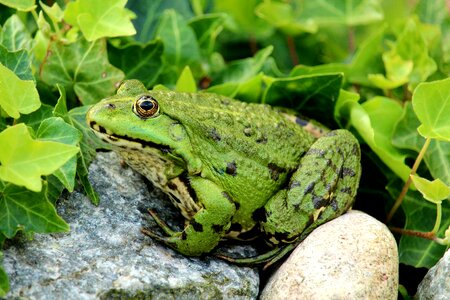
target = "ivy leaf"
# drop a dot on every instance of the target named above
(186, 82)
(22, 209)
(437, 156)
(4, 284)
(207, 28)
(23, 160)
(22, 5)
(434, 191)
(14, 35)
(98, 19)
(180, 45)
(431, 103)
(17, 96)
(138, 61)
(300, 91)
(82, 68)
(19, 62)
(375, 122)
(55, 129)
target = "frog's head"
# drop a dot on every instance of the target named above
(135, 119)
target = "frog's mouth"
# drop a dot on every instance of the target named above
(124, 141)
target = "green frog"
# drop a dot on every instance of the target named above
(235, 170)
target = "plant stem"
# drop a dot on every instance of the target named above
(408, 182)
(438, 218)
(292, 50)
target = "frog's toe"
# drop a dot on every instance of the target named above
(161, 223)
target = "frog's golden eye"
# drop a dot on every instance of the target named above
(146, 107)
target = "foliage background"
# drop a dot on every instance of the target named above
(351, 64)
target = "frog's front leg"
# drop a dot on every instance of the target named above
(323, 187)
(204, 231)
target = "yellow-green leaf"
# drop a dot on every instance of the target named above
(186, 82)
(22, 5)
(434, 191)
(97, 19)
(431, 103)
(23, 160)
(17, 96)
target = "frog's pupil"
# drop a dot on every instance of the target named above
(146, 105)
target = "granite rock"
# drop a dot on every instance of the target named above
(352, 257)
(106, 256)
(436, 283)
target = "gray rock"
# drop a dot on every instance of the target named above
(436, 284)
(351, 257)
(106, 256)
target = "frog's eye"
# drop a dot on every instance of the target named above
(146, 107)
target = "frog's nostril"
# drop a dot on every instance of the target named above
(110, 106)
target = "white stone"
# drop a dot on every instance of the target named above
(352, 257)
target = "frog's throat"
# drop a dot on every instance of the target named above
(124, 141)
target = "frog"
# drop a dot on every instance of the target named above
(235, 170)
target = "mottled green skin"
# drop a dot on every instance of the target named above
(248, 165)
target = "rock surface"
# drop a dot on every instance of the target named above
(351, 257)
(106, 256)
(436, 284)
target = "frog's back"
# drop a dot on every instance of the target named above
(246, 129)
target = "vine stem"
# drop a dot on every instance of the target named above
(408, 182)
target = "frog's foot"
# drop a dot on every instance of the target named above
(267, 259)
(160, 223)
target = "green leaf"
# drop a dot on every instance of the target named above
(14, 35)
(34, 119)
(4, 284)
(284, 17)
(186, 82)
(431, 103)
(17, 96)
(54, 12)
(301, 92)
(19, 62)
(22, 5)
(243, 21)
(56, 130)
(142, 62)
(207, 28)
(437, 156)
(433, 12)
(434, 191)
(82, 68)
(375, 122)
(24, 160)
(21, 209)
(180, 45)
(97, 19)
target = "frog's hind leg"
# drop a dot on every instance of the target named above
(205, 229)
(322, 188)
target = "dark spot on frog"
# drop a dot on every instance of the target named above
(183, 235)
(348, 172)
(231, 168)
(309, 188)
(110, 106)
(214, 135)
(197, 226)
(262, 140)
(101, 129)
(333, 203)
(346, 190)
(301, 122)
(172, 185)
(318, 152)
(296, 206)
(217, 228)
(259, 215)
(355, 150)
(275, 171)
(163, 148)
(228, 197)
(248, 131)
(319, 202)
(187, 183)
